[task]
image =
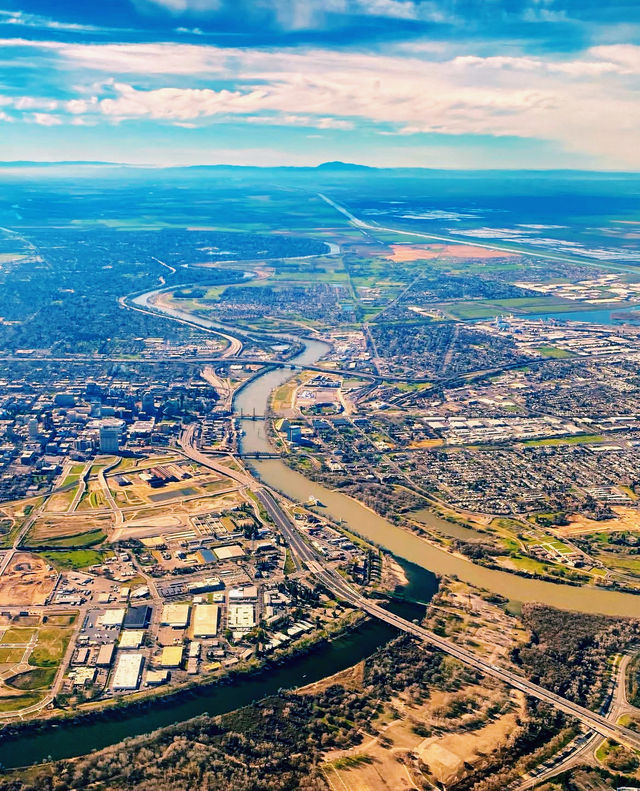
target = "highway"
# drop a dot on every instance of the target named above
(582, 749)
(334, 582)
(235, 344)
(186, 442)
(469, 241)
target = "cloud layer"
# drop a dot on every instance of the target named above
(368, 73)
(524, 96)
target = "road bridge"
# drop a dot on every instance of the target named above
(334, 582)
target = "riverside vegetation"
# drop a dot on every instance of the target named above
(282, 742)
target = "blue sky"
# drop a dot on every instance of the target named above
(426, 83)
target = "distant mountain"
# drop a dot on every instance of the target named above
(329, 168)
(337, 165)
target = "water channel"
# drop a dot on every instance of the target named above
(609, 315)
(419, 559)
(401, 543)
(68, 740)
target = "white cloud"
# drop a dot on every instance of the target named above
(573, 68)
(44, 119)
(23, 19)
(181, 104)
(625, 55)
(81, 106)
(34, 103)
(299, 120)
(162, 58)
(587, 104)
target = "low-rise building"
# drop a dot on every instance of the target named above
(112, 618)
(131, 638)
(105, 655)
(205, 620)
(176, 615)
(172, 656)
(137, 617)
(127, 673)
(241, 617)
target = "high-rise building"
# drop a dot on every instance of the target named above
(34, 429)
(148, 402)
(110, 432)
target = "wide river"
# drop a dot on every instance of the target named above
(418, 557)
(403, 544)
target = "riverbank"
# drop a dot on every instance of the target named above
(406, 545)
(73, 734)
(399, 542)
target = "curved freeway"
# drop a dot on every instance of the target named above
(141, 305)
(471, 241)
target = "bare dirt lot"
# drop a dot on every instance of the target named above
(49, 527)
(626, 519)
(408, 252)
(28, 580)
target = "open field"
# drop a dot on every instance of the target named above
(173, 517)
(71, 531)
(51, 645)
(74, 559)
(410, 252)
(625, 519)
(18, 634)
(15, 702)
(29, 667)
(61, 500)
(27, 580)
(420, 734)
(39, 678)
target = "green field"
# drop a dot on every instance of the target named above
(51, 646)
(74, 559)
(531, 565)
(40, 678)
(19, 701)
(88, 539)
(553, 352)
(574, 439)
(10, 656)
(18, 635)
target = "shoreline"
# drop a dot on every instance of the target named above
(148, 701)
